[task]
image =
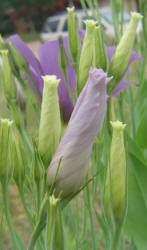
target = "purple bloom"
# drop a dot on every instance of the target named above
(76, 144)
(48, 64)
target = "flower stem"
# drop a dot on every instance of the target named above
(132, 113)
(21, 192)
(69, 89)
(115, 240)
(36, 233)
(89, 204)
(38, 196)
(7, 214)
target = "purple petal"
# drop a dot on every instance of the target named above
(26, 52)
(76, 144)
(121, 86)
(110, 51)
(48, 54)
(134, 57)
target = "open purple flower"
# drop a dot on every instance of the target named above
(76, 144)
(48, 64)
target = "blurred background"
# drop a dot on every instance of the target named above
(28, 16)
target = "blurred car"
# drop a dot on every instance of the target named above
(57, 25)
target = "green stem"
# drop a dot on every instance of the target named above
(84, 217)
(38, 188)
(91, 219)
(68, 88)
(120, 101)
(84, 7)
(34, 84)
(26, 140)
(115, 240)
(39, 227)
(21, 192)
(132, 113)
(115, 20)
(122, 17)
(8, 218)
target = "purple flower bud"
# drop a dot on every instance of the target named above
(76, 144)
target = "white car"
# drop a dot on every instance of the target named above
(57, 25)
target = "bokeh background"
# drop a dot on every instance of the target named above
(28, 16)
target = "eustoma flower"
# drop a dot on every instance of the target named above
(75, 147)
(48, 65)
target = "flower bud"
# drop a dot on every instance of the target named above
(115, 185)
(86, 54)
(122, 53)
(50, 123)
(5, 141)
(73, 38)
(18, 58)
(100, 59)
(70, 163)
(18, 162)
(8, 80)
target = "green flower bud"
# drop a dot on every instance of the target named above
(50, 123)
(5, 153)
(122, 53)
(8, 80)
(73, 38)
(100, 59)
(63, 60)
(18, 58)
(115, 185)
(18, 163)
(86, 56)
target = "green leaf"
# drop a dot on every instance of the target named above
(136, 223)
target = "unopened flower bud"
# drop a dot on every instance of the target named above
(50, 123)
(70, 163)
(86, 56)
(5, 142)
(100, 59)
(73, 38)
(115, 185)
(8, 80)
(122, 53)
